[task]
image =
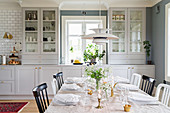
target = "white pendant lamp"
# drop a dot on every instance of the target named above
(101, 35)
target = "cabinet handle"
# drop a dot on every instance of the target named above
(2, 81)
(133, 68)
(39, 67)
(36, 68)
(128, 67)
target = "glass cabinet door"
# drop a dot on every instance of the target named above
(31, 31)
(136, 31)
(48, 31)
(119, 29)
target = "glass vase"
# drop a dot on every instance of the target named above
(97, 84)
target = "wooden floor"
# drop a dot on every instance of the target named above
(30, 108)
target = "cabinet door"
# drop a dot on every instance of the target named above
(144, 70)
(31, 31)
(72, 71)
(118, 24)
(6, 87)
(136, 24)
(26, 79)
(46, 76)
(122, 71)
(6, 73)
(49, 31)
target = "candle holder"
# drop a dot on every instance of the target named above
(112, 93)
(99, 106)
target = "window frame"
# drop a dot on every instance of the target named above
(167, 27)
(64, 31)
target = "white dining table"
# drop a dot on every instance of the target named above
(88, 103)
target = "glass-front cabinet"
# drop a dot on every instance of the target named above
(48, 31)
(31, 31)
(119, 28)
(136, 30)
(129, 25)
(40, 31)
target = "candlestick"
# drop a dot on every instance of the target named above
(99, 106)
(112, 93)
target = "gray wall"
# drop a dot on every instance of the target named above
(158, 40)
(149, 26)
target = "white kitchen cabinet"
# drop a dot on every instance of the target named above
(72, 71)
(126, 71)
(7, 73)
(129, 25)
(46, 76)
(7, 87)
(7, 80)
(40, 36)
(122, 71)
(148, 70)
(26, 79)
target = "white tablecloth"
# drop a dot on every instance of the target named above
(114, 105)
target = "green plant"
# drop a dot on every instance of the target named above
(147, 47)
(92, 52)
(71, 49)
(96, 73)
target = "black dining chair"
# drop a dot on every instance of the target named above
(40, 92)
(59, 78)
(148, 84)
(165, 82)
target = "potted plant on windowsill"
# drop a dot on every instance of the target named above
(147, 47)
(71, 50)
(92, 53)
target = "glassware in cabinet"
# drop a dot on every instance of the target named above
(136, 31)
(49, 31)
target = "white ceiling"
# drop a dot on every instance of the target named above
(79, 4)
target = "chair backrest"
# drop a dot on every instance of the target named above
(59, 78)
(165, 94)
(39, 93)
(54, 86)
(136, 79)
(147, 84)
(164, 82)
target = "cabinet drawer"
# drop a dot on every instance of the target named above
(39, 57)
(6, 87)
(40, 61)
(127, 62)
(6, 73)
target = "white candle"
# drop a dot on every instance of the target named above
(99, 95)
(112, 81)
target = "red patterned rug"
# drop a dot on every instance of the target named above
(11, 107)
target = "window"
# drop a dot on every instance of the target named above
(167, 43)
(74, 31)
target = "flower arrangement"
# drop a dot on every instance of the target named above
(96, 73)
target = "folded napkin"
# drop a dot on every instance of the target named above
(65, 99)
(131, 87)
(121, 79)
(141, 97)
(70, 87)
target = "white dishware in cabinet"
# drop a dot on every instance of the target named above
(31, 31)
